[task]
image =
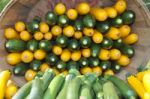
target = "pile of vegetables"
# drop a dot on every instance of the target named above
(75, 86)
(90, 39)
(7, 87)
(140, 82)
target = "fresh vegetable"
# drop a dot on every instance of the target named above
(72, 14)
(39, 54)
(32, 45)
(83, 62)
(10, 33)
(33, 26)
(51, 18)
(68, 31)
(73, 88)
(95, 49)
(20, 26)
(137, 86)
(83, 8)
(103, 27)
(45, 45)
(15, 45)
(85, 42)
(51, 59)
(128, 17)
(30, 74)
(128, 50)
(47, 78)
(36, 89)
(111, 12)
(61, 65)
(115, 67)
(56, 30)
(76, 55)
(13, 58)
(10, 91)
(25, 36)
(107, 43)
(97, 70)
(111, 93)
(63, 92)
(4, 77)
(72, 65)
(105, 65)
(27, 56)
(86, 70)
(109, 72)
(131, 39)
(54, 87)
(78, 25)
(89, 21)
(38, 36)
(98, 89)
(35, 65)
(117, 21)
(86, 89)
(125, 89)
(99, 13)
(60, 8)
(66, 55)
(74, 45)
(62, 20)
(23, 91)
(146, 82)
(69, 35)
(20, 69)
(120, 6)
(62, 40)
(88, 31)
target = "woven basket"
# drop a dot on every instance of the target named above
(25, 10)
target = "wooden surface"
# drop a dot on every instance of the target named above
(25, 10)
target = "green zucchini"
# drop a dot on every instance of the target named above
(74, 71)
(126, 91)
(86, 92)
(36, 89)
(63, 92)
(54, 87)
(86, 89)
(47, 77)
(15, 45)
(98, 89)
(39, 74)
(109, 91)
(23, 91)
(73, 88)
(95, 49)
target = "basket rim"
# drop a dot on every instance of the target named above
(139, 3)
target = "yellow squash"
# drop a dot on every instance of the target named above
(4, 77)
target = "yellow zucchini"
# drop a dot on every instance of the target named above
(4, 77)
